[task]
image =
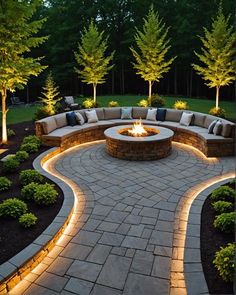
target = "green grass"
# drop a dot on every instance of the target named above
(26, 113)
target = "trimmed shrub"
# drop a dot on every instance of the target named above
(30, 175)
(223, 193)
(218, 112)
(89, 103)
(225, 262)
(225, 222)
(32, 139)
(157, 101)
(45, 194)
(10, 132)
(112, 104)
(11, 165)
(143, 103)
(41, 112)
(28, 191)
(22, 156)
(12, 208)
(5, 183)
(222, 207)
(29, 147)
(181, 105)
(27, 220)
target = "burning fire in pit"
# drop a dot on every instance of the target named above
(137, 129)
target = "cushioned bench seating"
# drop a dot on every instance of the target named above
(54, 130)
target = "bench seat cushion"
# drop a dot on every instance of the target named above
(211, 138)
(63, 133)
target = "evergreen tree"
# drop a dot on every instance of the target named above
(93, 65)
(50, 95)
(218, 58)
(17, 32)
(153, 46)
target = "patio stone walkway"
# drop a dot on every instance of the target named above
(122, 242)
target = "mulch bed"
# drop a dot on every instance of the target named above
(211, 241)
(13, 237)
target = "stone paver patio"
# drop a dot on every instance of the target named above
(122, 241)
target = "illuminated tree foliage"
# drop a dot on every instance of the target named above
(93, 65)
(153, 46)
(218, 54)
(17, 38)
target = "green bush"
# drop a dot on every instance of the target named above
(89, 103)
(181, 105)
(30, 175)
(5, 183)
(11, 165)
(10, 132)
(218, 112)
(27, 220)
(41, 112)
(32, 139)
(225, 262)
(28, 191)
(112, 104)
(222, 207)
(157, 101)
(143, 103)
(45, 194)
(29, 147)
(233, 182)
(13, 208)
(225, 222)
(22, 156)
(223, 193)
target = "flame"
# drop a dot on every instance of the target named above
(137, 129)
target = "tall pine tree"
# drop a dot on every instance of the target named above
(218, 54)
(153, 46)
(17, 30)
(93, 65)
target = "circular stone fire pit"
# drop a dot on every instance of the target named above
(151, 147)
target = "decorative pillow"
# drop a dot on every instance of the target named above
(151, 114)
(61, 120)
(79, 118)
(126, 113)
(186, 119)
(218, 128)
(92, 116)
(49, 125)
(226, 129)
(211, 126)
(161, 114)
(71, 119)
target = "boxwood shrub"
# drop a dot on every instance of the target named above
(11, 165)
(30, 175)
(225, 262)
(45, 194)
(5, 183)
(12, 207)
(225, 222)
(27, 220)
(32, 139)
(223, 193)
(22, 156)
(29, 147)
(222, 207)
(27, 192)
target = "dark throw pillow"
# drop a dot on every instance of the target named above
(71, 119)
(161, 114)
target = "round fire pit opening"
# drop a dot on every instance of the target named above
(120, 144)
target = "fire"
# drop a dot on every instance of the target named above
(137, 129)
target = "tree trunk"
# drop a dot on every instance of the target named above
(150, 93)
(217, 96)
(94, 92)
(4, 116)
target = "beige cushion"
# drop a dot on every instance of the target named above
(139, 112)
(100, 113)
(217, 128)
(61, 120)
(79, 118)
(199, 119)
(112, 113)
(152, 115)
(49, 124)
(173, 115)
(227, 129)
(91, 116)
(186, 119)
(208, 120)
(82, 112)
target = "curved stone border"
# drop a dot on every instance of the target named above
(16, 268)
(193, 271)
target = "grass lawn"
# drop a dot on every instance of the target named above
(26, 113)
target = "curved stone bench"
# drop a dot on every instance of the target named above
(54, 130)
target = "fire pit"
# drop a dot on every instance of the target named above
(138, 142)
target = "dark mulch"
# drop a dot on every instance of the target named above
(13, 237)
(211, 241)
